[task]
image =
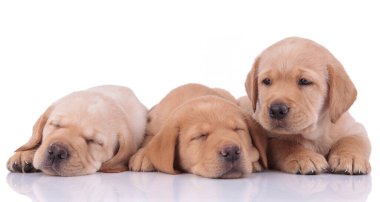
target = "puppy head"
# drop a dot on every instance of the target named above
(207, 136)
(72, 138)
(295, 83)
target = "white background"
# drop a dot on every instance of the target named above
(51, 48)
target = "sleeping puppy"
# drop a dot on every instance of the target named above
(300, 94)
(87, 131)
(200, 130)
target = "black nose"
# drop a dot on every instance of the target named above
(230, 153)
(57, 153)
(278, 111)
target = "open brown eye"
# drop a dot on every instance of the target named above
(304, 82)
(267, 81)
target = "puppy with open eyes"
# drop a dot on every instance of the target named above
(203, 131)
(301, 94)
(87, 131)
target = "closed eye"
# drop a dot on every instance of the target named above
(55, 124)
(93, 141)
(238, 129)
(202, 136)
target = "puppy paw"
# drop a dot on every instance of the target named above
(306, 164)
(256, 167)
(140, 162)
(349, 164)
(21, 162)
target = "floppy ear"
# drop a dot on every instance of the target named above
(161, 150)
(119, 162)
(342, 92)
(259, 139)
(251, 84)
(38, 128)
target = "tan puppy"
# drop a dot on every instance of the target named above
(87, 131)
(300, 95)
(203, 131)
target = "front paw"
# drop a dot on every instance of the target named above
(21, 162)
(256, 167)
(349, 164)
(306, 163)
(140, 162)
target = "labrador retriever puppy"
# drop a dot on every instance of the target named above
(301, 94)
(87, 131)
(203, 131)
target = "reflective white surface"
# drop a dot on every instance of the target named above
(51, 48)
(133, 186)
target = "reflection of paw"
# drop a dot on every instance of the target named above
(349, 164)
(24, 184)
(305, 163)
(21, 162)
(256, 167)
(140, 162)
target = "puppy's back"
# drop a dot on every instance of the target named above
(133, 110)
(159, 114)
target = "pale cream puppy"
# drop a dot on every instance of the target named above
(87, 131)
(301, 94)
